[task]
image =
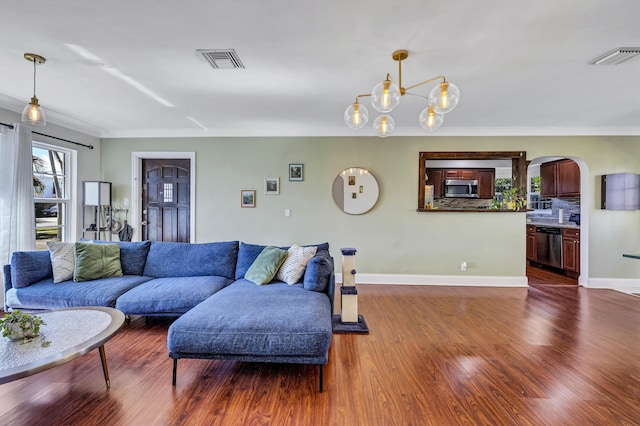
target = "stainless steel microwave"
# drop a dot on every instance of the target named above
(460, 188)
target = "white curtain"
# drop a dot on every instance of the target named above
(17, 221)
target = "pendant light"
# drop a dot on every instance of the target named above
(33, 113)
(385, 97)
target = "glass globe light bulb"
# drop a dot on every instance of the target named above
(429, 119)
(385, 96)
(384, 125)
(444, 97)
(356, 116)
(33, 113)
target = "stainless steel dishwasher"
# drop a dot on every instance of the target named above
(549, 246)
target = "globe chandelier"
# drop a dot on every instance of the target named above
(385, 97)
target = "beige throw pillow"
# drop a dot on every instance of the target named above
(293, 267)
(63, 260)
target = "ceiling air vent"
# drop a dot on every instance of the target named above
(221, 58)
(616, 56)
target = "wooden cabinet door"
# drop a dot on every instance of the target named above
(571, 254)
(548, 179)
(571, 249)
(486, 183)
(568, 178)
(531, 247)
(468, 174)
(435, 177)
(452, 174)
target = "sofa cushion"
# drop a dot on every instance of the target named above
(169, 296)
(94, 261)
(292, 268)
(248, 253)
(168, 259)
(276, 320)
(133, 255)
(46, 294)
(266, 265)
(63, 260)
(28, 267)
(318, 273)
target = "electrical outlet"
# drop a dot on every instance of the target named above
(287, 212)
(463, 266)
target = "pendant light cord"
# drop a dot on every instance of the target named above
(34, 77)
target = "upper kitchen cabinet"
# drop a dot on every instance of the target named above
(560, 179)
(486, 183)
(462, 174)
(548, 178)
(435, 177)
(568, 178)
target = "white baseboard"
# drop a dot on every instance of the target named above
(625, 285)
(450, 280)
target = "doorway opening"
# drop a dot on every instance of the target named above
(557, 222)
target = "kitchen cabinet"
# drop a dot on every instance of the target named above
(486, 180)
(465, 174)
(560, 179)
(571, 250)
(531, 243)
(486, 183)
(568, 178)
(548, 177)
(435, 177)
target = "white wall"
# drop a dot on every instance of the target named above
(393, 240)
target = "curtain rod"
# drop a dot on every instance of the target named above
(52, 137)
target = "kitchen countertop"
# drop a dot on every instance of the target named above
(569, 225)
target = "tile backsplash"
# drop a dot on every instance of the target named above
(567, 205)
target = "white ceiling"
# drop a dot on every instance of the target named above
(521, 66)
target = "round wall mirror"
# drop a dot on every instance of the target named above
(355, 190)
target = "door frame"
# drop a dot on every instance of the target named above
(136, 193)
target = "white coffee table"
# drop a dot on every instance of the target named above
(72, 332)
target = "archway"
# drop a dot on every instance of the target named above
(585, 201)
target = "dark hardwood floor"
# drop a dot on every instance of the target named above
(543, 355)
(539, 275)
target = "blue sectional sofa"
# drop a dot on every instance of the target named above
(221, 314)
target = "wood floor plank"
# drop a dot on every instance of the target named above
(435, 355)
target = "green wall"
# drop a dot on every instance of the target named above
(392, 238)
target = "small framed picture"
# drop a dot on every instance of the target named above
(248, 198)
(296, 172)
(272, 185)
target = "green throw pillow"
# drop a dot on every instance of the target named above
(94, 261)
(266, 265)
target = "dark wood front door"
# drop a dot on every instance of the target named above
(166, 193)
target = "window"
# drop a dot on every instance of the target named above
(51, 190)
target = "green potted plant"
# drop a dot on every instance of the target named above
(515, 199)
(18, 325)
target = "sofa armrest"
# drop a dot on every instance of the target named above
(318, 272)
(6, 284)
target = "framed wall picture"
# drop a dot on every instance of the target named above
(248, 198)
(272, 185)
(296, 172)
